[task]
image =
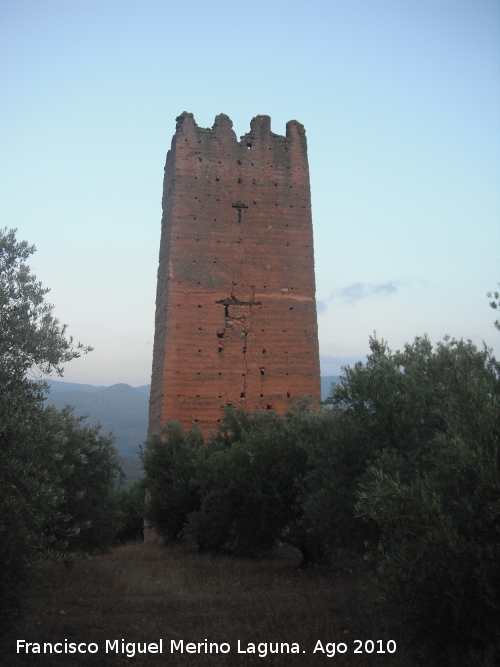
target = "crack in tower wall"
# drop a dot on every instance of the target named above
(236, 233)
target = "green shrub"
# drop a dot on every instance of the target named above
(247, 483)
(385, 413)
(336, 458)
(87, 472)
(170, 461)
(131, 506)
(56, 490)
(438, 555)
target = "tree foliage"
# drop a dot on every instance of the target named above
(56, 474)
(170, 461)
(495, 304)
(248, 483)
(437, 508)
(131, 505)
(31, 338)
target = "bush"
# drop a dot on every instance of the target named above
(87, 472)
(170, 461)
(385, 413)
(438, 555)
(131, 506)
(57, 491)
(248, 483)
(336, 458)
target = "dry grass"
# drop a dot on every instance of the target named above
(142, 593)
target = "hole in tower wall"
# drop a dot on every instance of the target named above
(262, 371)
(249, 146)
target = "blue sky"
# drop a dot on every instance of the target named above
(400, 100)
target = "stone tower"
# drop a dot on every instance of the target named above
(235, 303)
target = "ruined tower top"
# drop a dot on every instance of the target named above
(235, 308)
(260, 130)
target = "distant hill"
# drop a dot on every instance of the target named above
(59, 386)
(121, 409)
(144, 389)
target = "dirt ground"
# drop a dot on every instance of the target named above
(129, 600)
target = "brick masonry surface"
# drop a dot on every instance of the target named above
(235, 306)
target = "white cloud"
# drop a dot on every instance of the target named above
(357, 291)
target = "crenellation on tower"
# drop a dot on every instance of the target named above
(235, 308)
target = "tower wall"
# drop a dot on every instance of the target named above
(235, 306)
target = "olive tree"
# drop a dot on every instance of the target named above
(56, 474)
